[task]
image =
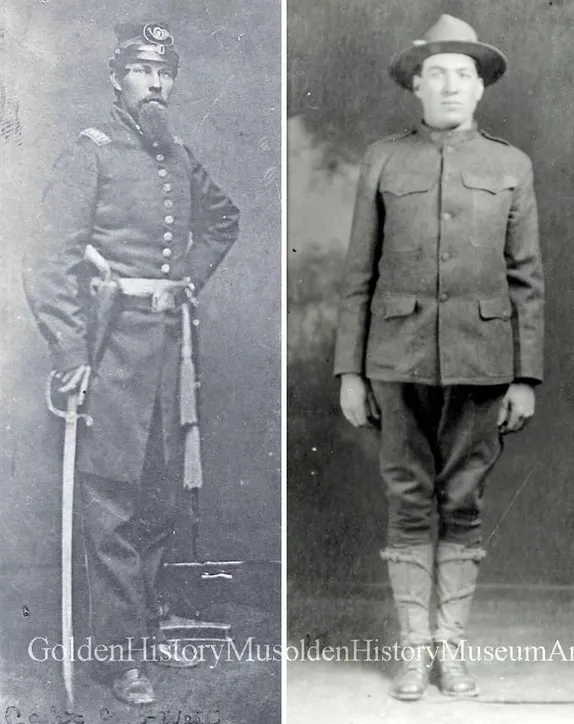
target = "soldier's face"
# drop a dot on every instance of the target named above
(449, 89)
(143, 82)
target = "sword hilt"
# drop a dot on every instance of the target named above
(67, 413)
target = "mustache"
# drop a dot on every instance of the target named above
(153, 99)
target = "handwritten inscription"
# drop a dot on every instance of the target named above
(13, 715)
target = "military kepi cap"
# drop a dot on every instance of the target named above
(152, 41)
(448, 35)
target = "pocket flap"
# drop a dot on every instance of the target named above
(493, 183)
(403, 184)
(495, 308)
(400, 306)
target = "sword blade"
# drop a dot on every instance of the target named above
(67, 528)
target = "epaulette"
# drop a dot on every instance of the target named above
(98, 137)
(494, 138)
(397, 136)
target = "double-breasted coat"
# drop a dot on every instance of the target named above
(443, 282)
(152, 214)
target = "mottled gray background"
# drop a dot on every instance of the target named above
(226, 105)
(340, 99)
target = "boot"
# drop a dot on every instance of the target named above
(410, 575)
(456, 574)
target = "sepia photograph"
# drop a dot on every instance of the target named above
(140, 195)
(430, 391)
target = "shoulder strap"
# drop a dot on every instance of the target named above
(494, 138)
(98, 137)
(397, 136)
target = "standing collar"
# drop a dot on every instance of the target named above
(441, 137)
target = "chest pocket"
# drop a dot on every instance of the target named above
(490, 202)
(408, 203)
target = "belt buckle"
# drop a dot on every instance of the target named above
(162, 301)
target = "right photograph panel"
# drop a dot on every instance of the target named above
(430, 387)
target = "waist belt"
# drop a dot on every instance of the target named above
(154, 295)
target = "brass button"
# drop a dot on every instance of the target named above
(168, 236)
(169, 219)
(165, 268)
(167, 188)
(195, 322)
(160, 157)
(162, 172)
(168, 203)
(155, 144)
(167, 253)
(443, 297)
(445, 256)
(446, 216)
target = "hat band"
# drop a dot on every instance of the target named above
(158, 53)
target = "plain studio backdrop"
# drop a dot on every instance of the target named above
(340, 99)
(226, 106)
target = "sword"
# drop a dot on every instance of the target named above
(71, 417)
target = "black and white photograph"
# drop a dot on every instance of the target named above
(430, 390)
(140, 196)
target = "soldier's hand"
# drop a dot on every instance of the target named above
(517, 407)
(357, 400)
(74, 380)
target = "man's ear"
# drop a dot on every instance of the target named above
(114, 80)
(416, 85)
(480, 89)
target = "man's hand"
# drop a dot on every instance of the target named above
(74, 380)
(357, 400)
(517, 407)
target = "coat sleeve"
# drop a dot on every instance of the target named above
(360, 273)
(215, 226)
(525, 281)
(51, 273)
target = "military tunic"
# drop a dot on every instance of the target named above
(150, 213)
(441, 308)
(443, 283)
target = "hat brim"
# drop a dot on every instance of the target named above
(491, 63)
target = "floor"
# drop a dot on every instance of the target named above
(243, 688)
(356, 691)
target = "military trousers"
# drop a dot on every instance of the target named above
(126, 527)
(438, 445)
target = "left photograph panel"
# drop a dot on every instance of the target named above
(140, 365)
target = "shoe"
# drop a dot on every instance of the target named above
(412, 681)
(133, 688)
(454, 678)
(176, 653)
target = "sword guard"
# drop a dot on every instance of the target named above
(70, 414)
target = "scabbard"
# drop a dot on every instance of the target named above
(189, 417)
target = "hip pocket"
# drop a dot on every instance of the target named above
(494, 341)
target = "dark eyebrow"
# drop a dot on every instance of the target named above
(442, 67)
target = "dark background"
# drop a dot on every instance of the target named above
(340, 98)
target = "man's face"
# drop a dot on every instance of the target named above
(143, 82)
(449, 89)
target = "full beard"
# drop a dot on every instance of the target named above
(154, 123)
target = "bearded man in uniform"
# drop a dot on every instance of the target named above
(133, 192)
